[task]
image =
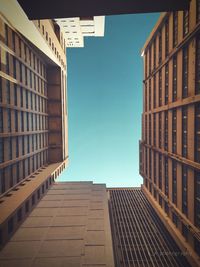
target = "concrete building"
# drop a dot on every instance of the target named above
(79, 224)
(33, 112)
(139, 236)
(69, 227)
(75, 29)
(170, 145)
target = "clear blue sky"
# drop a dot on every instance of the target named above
(105, 103)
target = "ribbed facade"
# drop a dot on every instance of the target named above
(33, 133)
(139, 236)
(170, 145)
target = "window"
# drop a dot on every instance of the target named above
(23, 150)
(47, 185)
(146, 162)
(32, 124)
(166, 208)
(154, 129)
(150, 167)
(154, 167)
(8, 91)
(14, 67)
(197, 198)
(16, 121)
(17, 147)
(7, 63)
(2, 181)
(10, 148)
(166, 84)
(175, 219)
(160, 88)
(154, 53)
(21, 97)
(10, 175)
(25, 55)
(198, 10)
(166, 177)
(174, 126)
(174, 182)
(1, 150)
(185, 22)
(13, 40)
(20, 71)
(149, 60)
(197, 133)
(18, 177)
(6, 34)
(27, 121)
(145, 117)
(184, 131)
(22, 121)
(20, 48)
(160, 171)
(27, 206)
(150, 129)
(174, 92)
(15, 94)
(185, 231)
(167, 37)
(35, 102)
(166, 130)
(149, 94)
(32, 143)
(9, 119)
(175, 28)
(29, 169)
(160, 129)
(28, 144)
(31, 100)
(43, 189)
(160, 46)
(10, 225)
(26, 98)
(19, 215)
(184, 190)
(185, 73)
(38, 193)
(197, 78)
(33, 200)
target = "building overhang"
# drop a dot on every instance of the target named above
(46, 9)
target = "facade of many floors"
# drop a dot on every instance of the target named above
(170, 144)
(33, 112)
(79, 224)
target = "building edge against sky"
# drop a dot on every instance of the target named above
(33, 112)
(170, 147)
(33, 108)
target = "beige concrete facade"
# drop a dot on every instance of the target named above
(170, 147)
(33, 112)
(69, 227)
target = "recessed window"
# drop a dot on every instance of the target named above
(10, 225)
(185, 22)
(19, 215)
(184, 190)
(33, 200)
(185, 73)
(174, 92)
(27, 206)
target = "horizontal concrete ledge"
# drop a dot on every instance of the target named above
(14, 201)
(46, 9)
